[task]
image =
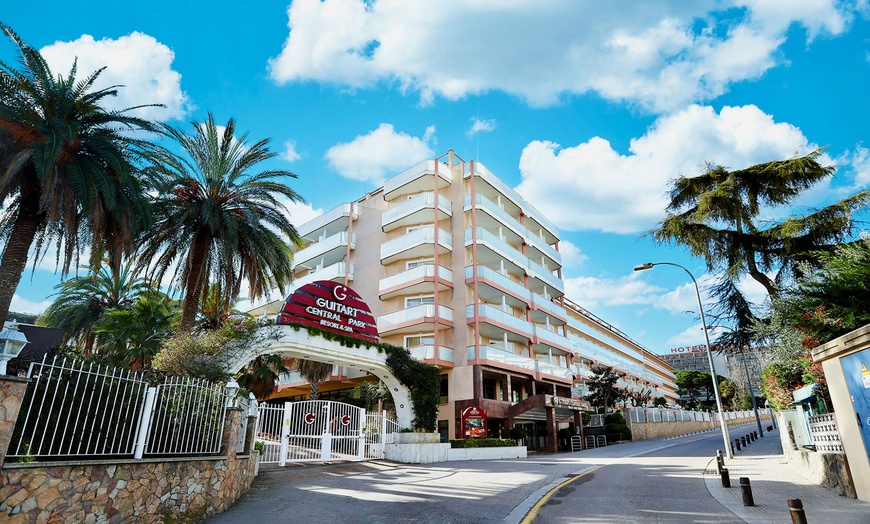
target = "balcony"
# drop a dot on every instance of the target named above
(325, 252)
(525, 208)
(428, 354)
(498, 282)
(538, 245)
(545, 278)
(549, 338)
(419, 209)
(494, 252)
(420, 177)
(418, 243)
(505, 358)
(582, 371)
(335, 271)
(411, 319)
(494, 322)
(549, 307)
(499, 356)
(329, 223)
(420, 279)
(498, 216)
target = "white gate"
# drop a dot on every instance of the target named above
(321, 431)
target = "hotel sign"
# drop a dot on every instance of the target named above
(332, 307)
(565, 402)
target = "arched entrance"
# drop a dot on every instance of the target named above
(292, 343)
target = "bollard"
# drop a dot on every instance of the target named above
(720, 461)
(732, 448)
(796, 509)
(743, 441)
(746, 490)
(754, 435)
(726, 479)
(737, 443)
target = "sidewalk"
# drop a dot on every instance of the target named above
(773, 482)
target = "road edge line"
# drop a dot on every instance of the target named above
(533, 512)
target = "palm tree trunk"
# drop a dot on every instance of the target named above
(14, 258)
(195, 284)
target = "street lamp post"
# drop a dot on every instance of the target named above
(722, 424)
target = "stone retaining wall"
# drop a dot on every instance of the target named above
(122, 490)
(648, 430)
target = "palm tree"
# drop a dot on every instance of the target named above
(315, 373)
(219, 220)
(261, 375)
(67, 168)
(131, 336)
(82, 301)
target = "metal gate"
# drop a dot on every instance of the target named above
(321, 431)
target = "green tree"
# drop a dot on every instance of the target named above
(260, 376)
(82, 301)
(132, 335)
(660, 402)
(603, 391)
(728, 390)
(696, 384)
(718, 216)
(218, 219)
(315, 373)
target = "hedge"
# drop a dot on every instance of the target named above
(482, 443)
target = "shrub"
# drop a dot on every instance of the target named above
(518, 433)
(482, 443)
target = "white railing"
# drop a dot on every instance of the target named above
(321, 248)
(77, 409)
(73, 409)
(486, 311)
(503, 281)
(415, 274)
(308, 229)
(414, 173)
(497, 355)
(390, 219)
(413, 315)
(428, 352)
(424, 236)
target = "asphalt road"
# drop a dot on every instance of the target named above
(660, 486)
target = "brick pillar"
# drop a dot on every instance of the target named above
(232, 425)
(12, 391)
(250, 433)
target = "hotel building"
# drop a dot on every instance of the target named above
(462, 271)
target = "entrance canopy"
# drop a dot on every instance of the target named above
(290, 343)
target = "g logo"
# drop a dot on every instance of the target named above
(339, 292)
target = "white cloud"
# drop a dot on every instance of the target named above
(591, 186)
(660, 57)
(592, 292)
(290, 154)
(379, 153)
(136, 61)
(572, 257)
(859, 161)
(300, 213)
(22, 305)
(480, 126)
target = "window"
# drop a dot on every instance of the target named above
(422, 299)
(426, 339)
(422, 262)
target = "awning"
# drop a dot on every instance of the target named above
(804, 395)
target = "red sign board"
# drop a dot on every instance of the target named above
(330, 306)
(473, 422)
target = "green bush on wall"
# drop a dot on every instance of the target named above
(482, 443)
(422, 380)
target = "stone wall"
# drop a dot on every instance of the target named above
(830, 470)
(11, 394)
(124, 490)
(648, 430)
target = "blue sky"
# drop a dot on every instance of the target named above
(587, 108)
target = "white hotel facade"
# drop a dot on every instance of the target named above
(462, 271)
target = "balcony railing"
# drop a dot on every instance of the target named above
(327, 249)
(327, 273)
(514, 288)
(412, 316)
(554, 370)
(415, 210)
(481, 202)
(413, 179)
(418, 242)
(541, 245)
(311, 230)
(549, 306)
(427, 352)
(414, 276)
(552, 339)
(538, 271)
(498, 246)
(494, 314)
(503, 357)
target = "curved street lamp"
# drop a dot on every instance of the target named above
(722, 424)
